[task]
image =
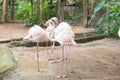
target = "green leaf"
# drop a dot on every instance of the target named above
(93, 15)
(99, 6)
(118, 20)
(100, 20)
(96, 9)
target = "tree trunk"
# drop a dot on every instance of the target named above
(41, 9)
(12, 13)
(85, 13)
(31, 1)
(60, 10)
(4, 11)
(91, 8)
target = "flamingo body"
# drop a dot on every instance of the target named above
(119, 33)
(66, 27)
(64, 38)
(36, 33)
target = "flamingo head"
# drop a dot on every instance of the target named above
(49, 23)
(55, 20)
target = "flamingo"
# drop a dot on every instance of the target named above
(65, 39)
(60, 26)
(37, 34)
(63, 26)
(65, 36)
(119, 32)
(50, 30)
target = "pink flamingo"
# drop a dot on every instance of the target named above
(65, 39)
(50, 30)
(58, 27)
(65, 36)
(36, 33)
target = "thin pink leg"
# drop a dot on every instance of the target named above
(66, 71)
(67, 60)
(66, 54)
(53, 46)
(37, 57)
(63, 53)
(47, 47)
(62, 64)
(61, 70)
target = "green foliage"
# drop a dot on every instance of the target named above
(49, 10)
(24, 12)
(99, 6)
(0, 11)
(31, 20)
(96, 9)
(112, 24)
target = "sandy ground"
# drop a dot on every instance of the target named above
(97, 60)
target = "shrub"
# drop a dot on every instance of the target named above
(110, 26)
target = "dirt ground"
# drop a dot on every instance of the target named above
(96, 60)
(14, 30)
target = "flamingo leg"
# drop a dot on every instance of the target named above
(47, 47)
(53, 46)
(62, 64)
(65, 75)
(37, 57)
(66, 71)
(61, 70)
(67, 60)
(68, 53)
(62, 53)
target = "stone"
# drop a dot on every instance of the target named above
(7, 62)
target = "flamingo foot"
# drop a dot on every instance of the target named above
(67, 60)
(65, 76)
(38, 70)
(59, 76)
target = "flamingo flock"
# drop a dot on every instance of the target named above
(60, 32)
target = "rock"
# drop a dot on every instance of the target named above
(7, 62)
